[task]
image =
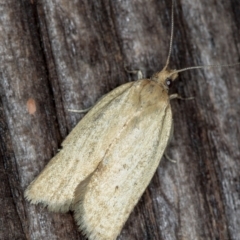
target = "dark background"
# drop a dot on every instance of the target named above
(56, 55)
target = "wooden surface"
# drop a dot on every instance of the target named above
(60, 55)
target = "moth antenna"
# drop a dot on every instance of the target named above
(203, 66)
(171, 38)
(187, 68)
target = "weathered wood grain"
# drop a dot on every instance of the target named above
(60, 55)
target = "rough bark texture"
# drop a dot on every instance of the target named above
(57, 55)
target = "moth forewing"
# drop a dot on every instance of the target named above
(55, 185)
(104, 204)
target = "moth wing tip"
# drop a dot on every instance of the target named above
(82, 225)
(51, 206)
(89, 226)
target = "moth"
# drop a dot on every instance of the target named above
(102, 170)
(109, 158)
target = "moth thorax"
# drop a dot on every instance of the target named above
(152, 93)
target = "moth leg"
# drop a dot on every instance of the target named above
(169, 159)
(80, 111)
(165, 154)
(173, 96)
(87, 109)
(138, 72)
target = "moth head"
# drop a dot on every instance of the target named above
(165, 77)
